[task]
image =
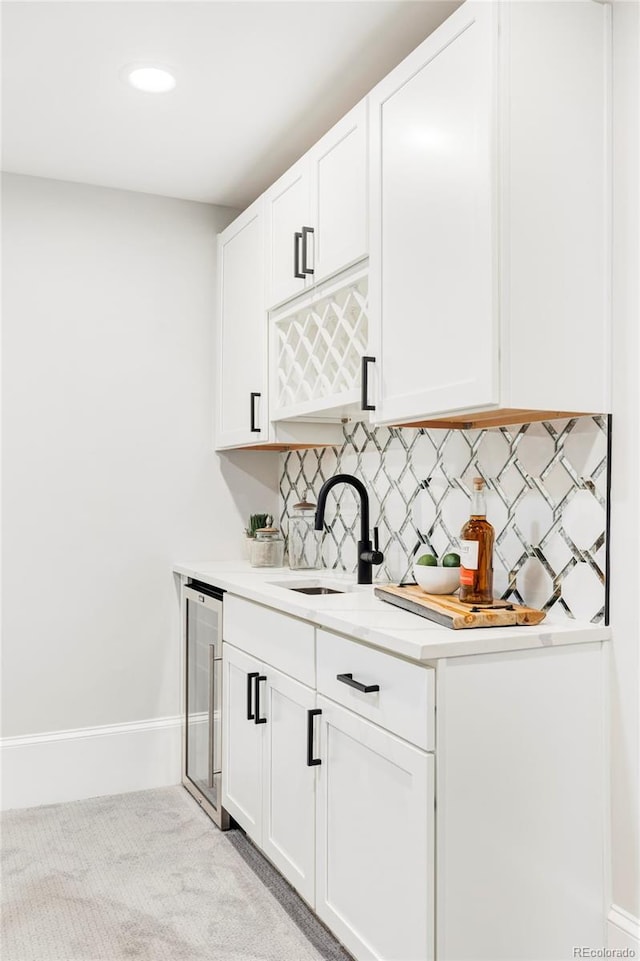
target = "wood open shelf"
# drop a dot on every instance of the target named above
(501, 417)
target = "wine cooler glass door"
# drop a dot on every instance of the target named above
(203, 742)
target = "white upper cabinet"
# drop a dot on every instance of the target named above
(489, 252)
(288, 253)
(316, 213)
(340, 195)
(431, 285)
(242, 398)
(476, 178)
(241, 349)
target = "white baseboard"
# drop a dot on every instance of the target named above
(623, 931)
(91, 761)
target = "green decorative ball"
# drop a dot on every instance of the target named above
(451, 560)
(428, 560)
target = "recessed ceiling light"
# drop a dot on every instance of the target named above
(151, 79)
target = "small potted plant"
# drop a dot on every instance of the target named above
(256, 521)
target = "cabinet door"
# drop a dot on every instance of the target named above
(432, 194)
(241, 742)
(375, 858)
(340, 194)
(241, 340)
(287, 212)
(288, 834)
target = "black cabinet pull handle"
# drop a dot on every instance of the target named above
(254, 394)
(365, 405)
(311, 760)
(305, 233)
(258, 719)
(297, 240)
(364, 688)
(250, 677)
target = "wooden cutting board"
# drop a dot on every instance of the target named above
(447, 610)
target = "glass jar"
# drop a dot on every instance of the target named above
(267, 548)
(304, 539)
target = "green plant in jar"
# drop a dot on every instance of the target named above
(256, 522)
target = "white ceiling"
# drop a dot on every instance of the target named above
(258, 83)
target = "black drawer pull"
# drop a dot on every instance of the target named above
(311, 760)
(250, 677)
(364, 400)
(254, 395)
(297, 240)
(365, 688)
(305, 234)
(258, 719)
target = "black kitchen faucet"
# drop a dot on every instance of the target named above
(368, 554)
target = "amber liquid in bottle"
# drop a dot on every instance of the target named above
(476, 551)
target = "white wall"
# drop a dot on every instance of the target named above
(109, 472)
(625, 650)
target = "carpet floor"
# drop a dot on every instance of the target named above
(146, 876)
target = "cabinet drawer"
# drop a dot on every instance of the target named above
(405, 703)
(282, 641)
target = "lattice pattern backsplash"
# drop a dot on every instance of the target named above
(547, 493)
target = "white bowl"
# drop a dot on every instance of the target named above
(437, 580)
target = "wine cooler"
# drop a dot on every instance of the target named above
(202, 747)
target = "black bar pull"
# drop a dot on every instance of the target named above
(305, 233)
(250, 677)
(365, 405)
(297, 240)
(311, 760)
(254, 394)
(258, 719)
(364, 688)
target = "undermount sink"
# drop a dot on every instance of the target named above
(316, 590)
(317, 585)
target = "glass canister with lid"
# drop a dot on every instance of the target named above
(304, 539)
(267, 548)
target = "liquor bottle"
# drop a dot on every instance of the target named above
(476, 551)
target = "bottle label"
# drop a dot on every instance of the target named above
(469, 555)
(467, 577)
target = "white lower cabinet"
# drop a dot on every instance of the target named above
(267, 785)
(334, 779)
(241, 742)
(375, 837)
(343, 807)
(289, 788)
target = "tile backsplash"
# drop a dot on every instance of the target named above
(546, 498)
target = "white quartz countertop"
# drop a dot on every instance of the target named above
(359, 614)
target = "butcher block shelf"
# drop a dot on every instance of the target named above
(496, 417)
(448, 611)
